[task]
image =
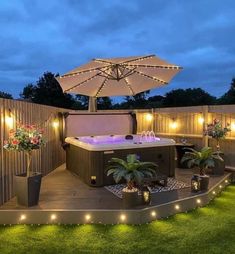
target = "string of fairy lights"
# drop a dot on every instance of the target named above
(111, 71)
(174, 118)
(12, 120)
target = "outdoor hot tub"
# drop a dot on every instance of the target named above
(88, 156)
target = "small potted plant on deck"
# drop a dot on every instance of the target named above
(201, 160)
(133, 171)
(26, 138)
(218, 133)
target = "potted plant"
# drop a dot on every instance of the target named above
(218, 132)
(201, 160)
(26, 138)
(133, 171)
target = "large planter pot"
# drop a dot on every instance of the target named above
(219, 165)
(130, 199)
(204, 183)
(27, 189)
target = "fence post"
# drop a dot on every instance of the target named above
(205, 110)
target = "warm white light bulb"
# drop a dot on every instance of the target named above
(88, 217)
(232, 126)
(9, 121)
(177, 207)
(199, 201)
(55, 124)
(201, 120)
(174, 125)
(123, 217)
(153, 214)
(149, 117)
(22, 217)
(53, 217)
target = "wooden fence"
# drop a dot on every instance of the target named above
(190, 123)
(176, 123)
(45, 159)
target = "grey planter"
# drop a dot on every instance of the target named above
(204, 184)
(219, 166)
(27, 189)
(130, 199)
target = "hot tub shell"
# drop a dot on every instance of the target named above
(89, 161)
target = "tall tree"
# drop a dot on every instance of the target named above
(156, 101)
(5, 95)
(137, 101)
(228, 97)
(48, 91)
(104, 103)
(188, 97)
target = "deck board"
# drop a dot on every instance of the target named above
(63, 190)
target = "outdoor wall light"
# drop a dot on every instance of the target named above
(9, 120)
(220, 186)
(146, 195)
(174, 125)
(87, 217)
(226, 181)
(233, 126)
(123, 217)
(22, 217)
(149, 117)
(195, 183)
(201, 120)
(55, 123)
(177, 207)
(53, 217)
(213, 192)
(153, 214)
(93, 180)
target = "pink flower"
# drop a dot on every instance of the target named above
(5, 142)
(34, 141)
(15, 142)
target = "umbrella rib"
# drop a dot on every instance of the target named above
(138, 58)
(102, 61)
(101, 87)
(127, 61)
(150, 77)
(71, 88)
(129, 86)
(155, 66)
(79, 72)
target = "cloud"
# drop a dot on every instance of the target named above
(38, 36)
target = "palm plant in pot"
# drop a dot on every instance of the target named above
(133, 171)
(201, 160)
(26, 138)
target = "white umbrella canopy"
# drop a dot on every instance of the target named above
(118, 76)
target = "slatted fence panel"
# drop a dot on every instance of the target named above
(44, 160)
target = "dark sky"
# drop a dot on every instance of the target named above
(58, 35)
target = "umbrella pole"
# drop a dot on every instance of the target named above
(92, 104)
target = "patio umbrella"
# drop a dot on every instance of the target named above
(118, 77)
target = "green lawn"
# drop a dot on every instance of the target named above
(206, 230)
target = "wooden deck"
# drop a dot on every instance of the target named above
(61, 190)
